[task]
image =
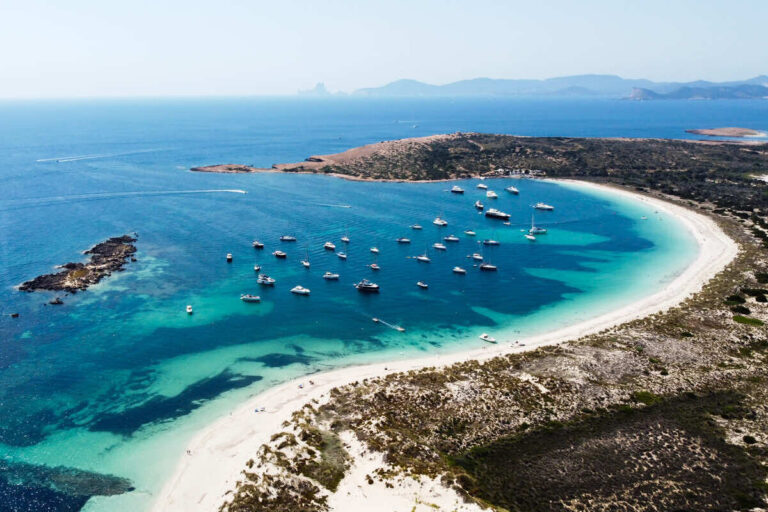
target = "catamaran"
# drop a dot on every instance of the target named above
(367, 286)
(439, 222)
(543, 206)
(457, 190)
(512, 190)
(300, 290)
(493, 213)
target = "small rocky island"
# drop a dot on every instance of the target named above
(106, 257)
(730, 131)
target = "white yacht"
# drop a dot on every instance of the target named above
(423, 258)
(491, 195)
(342, 255)
(279, 254)
(422, 285)
(457, 190)
(479, 205)
(265, 280)
(367, 286)
(439, 246)
(487, 267)
(374, 266)
(469, 232)
(189, 309)
(229, 257)
(415, 226)
(257, 245)
(487, 337)
(512, 190)
(451, 238)
(247, 297)
(287, 238)
(330, 246)
(256, 268)
(477, 256)
(300, 290)
(489, 241)
(530, 237)
(544, 206)
(493, 213)
(439, 222)
(403, 240)
(459, 270)
(482, 186)
(331, 276)
(375, 250)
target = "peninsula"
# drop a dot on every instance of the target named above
(106, 257)
(731, 131)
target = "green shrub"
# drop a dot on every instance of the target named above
(746, 320)
(742, 310)
(749, 439)
(645, 397)
(762, 277)
(761, 298)
(732, 300)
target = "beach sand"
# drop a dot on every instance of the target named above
(217, 455)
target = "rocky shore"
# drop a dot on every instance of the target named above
(106, 257)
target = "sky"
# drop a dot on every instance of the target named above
(87, 48)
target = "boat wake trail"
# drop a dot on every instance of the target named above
(46, 201)
(75, 158)
(334, 205)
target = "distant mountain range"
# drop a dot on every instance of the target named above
(608, 86)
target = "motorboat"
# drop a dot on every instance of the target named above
(482, 186)
(403, 240)
(189, 309)
(479, 205)
(535, 230)
(493, 213)
(331, 276)
(279, 254)
(374, 266)
(440, 222)
(451, 238)
(477, 256)
(367, 286)
(300, 290)
(487, 267)
(229, 257)
(469, 232)
(247, 297)
(256, 268)
(257, 245)
(422, 285)
(329, 246)
(287, 238)
(416, 226)
(489, 241)
(375, 250)
(265, 280)
(459, 270)
(512, 190)
(491, 195)
(423, 258)
(439, 246)
(487, 337)
(342, 255)
(457, 190)
(530, 237)
(544, 206)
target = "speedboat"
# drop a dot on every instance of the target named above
(469, 232)
(530, 237)
(257, 245)
(342, 255)
(459, 270)
(329, 246)
(331, 276)
(375, 250)
(490, 242)
(423, 258)
(535, 230)
(415, 226)
(457, 190)
(491, 195)
(487, 267)
(300, 290)
(279, 254)
(439, 222)
(543, 206)
(482, 186)
(256, 268)
(189, 309)
(229, 257)
(402, 240)
(374, 266)
(479, 205)
(451, 238)
(247, 297)
(487, 337)
(477, 256)
(439, 246)
(512, 190)
(422, 285)
(287, 238)
(265, 280)
(497, 214)
(367, 286)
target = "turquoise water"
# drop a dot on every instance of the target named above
(118, 379)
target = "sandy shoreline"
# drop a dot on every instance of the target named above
(218, 453)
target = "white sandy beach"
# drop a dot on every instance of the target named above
(218, 454)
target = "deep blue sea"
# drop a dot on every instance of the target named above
(118, 379)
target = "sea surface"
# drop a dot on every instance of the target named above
(119, 378)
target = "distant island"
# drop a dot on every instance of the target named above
(599, 86)
(728, 132)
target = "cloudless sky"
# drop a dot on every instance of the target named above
(69, 48)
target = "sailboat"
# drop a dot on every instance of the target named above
(345, 238)
(305, 261)
(536, 230)
(424, 258)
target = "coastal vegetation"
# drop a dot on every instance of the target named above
(663, 413)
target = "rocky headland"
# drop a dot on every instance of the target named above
(731, 131)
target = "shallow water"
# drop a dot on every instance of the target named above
(119, 378)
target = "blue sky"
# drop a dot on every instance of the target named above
(238, 47)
